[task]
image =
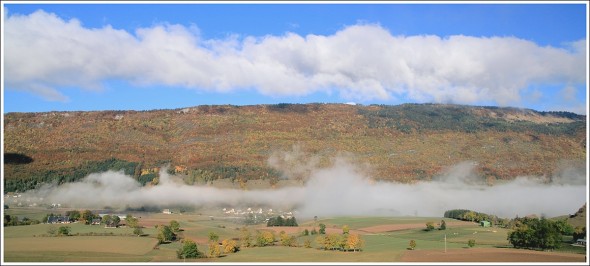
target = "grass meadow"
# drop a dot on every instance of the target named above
(30, 212)
(367, 221)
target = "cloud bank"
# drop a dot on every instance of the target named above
(341, 189)
(363, 62)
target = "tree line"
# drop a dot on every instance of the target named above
(280, 221)
(13, 220)
(538, 233)
(419, 117)
(473, 216)
(33, 180)
(527, 232)
(233, 173)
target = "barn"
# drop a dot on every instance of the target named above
(485, 224)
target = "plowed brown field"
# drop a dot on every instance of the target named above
(489, 255)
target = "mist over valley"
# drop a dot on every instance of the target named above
(317, 159)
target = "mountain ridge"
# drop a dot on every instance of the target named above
(227, 141)
(562, 114)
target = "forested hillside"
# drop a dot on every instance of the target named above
(402, 143)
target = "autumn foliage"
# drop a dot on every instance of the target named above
(206, 143)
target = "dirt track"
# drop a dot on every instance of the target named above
(489, 255)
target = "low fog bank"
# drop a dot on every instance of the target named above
(341, 189)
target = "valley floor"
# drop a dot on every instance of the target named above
(386, 240)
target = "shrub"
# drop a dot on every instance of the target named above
(412, 244)
(345, 229)
(214, 250)
(429, 226)
(229, 246)
(213, 237)
(165, 234)
(175, 226)
(188, 250)
(137, 231)
(265, 238)
(63, 231)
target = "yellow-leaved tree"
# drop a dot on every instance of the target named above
(354, 242)
(229, 246)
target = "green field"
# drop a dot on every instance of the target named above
(496, 237)
(378, 248)
(357, 222)
(76, 228)
(32, 244)
(31, 213)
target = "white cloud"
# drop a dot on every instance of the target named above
(568, 93)
(360, 62)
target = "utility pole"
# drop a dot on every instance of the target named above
(445, 243)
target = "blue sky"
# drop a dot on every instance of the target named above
(160, 56)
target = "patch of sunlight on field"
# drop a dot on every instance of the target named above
(26, 230)
(361, 222)
(378, 248)
(387, 243)
(75, 228)
(201, 233)
(459, 235)
(90, 244)
(29, 212)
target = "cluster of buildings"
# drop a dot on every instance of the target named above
(58, 220)
(62, 219)
(246, 211)
(66, 220)
(21, 200)
(260, 212)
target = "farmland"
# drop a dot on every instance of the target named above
(385, 240)
(78, 248)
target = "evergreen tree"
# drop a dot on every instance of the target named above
(443, 225)
(322, 229)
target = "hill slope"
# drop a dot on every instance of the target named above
(403, 143)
